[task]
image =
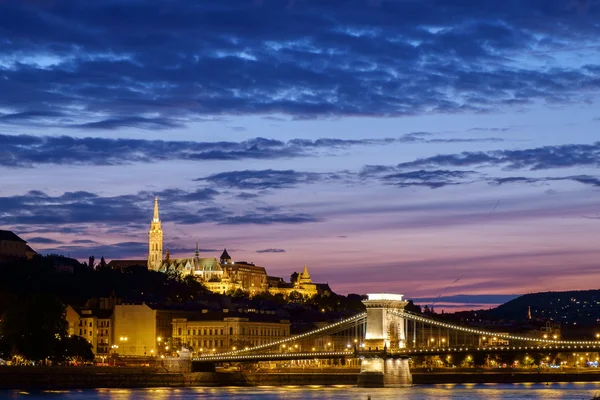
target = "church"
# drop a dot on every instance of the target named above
(223, 275)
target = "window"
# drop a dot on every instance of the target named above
(188, 332)
(221, 331)
(179, 331)
(194, 332)
(211, 332)
(205, 331)
(230, 330)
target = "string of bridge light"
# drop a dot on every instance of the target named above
(495, 348)
(223, 357)
(414, 317)
(355, 318)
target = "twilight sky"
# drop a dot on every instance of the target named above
(434, 148)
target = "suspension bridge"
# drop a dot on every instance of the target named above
(386, 336)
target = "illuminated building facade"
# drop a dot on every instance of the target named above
(95, 326)
(226, 331)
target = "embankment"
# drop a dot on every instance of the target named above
(56, 378)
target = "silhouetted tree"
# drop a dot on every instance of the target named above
(34, 327)
(76, 348)
(294, 277)
(102, 262)
(91, 262)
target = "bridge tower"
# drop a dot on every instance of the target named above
(385, 331)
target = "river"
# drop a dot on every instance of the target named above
(423, 392)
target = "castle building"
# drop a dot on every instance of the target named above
(221, 275)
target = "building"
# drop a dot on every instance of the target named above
(12, 246)
(227, 330)
(205, 269)
(142, 329)
(303, 286)
(93, 325)
(221, 275)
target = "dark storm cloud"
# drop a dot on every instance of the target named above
(271, 251)
(28, 150)
(156, 64)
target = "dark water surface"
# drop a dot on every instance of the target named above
(483, 391)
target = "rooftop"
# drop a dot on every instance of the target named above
(10, 236)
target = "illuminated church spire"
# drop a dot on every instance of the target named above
(155, 219)
(155, 241)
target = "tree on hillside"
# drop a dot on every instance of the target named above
(34, 327)
(294, 278)
(91, 262)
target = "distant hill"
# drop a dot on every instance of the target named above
(580, 306)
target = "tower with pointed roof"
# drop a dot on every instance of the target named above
(155, 241)
(304, 277)
(225, 258)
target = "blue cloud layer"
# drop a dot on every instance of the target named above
(158, 65)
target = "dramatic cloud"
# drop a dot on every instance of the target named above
(268, 218)
(540, 158)
(265, 179)
(432, 179)
(27, 150)
(108, 251)
(468, 299)
(43, 240)
(151, 65)
(130, 213)
(271, 251)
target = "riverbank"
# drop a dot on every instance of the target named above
(57, 378)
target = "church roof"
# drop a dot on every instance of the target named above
(10, 236)
(225, 255)
(199, 264)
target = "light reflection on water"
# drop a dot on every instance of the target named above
(423, 392)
